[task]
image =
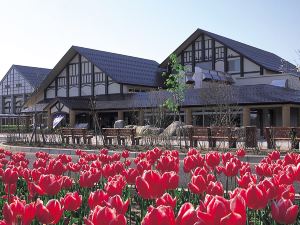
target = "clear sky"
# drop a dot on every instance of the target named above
(39, 32)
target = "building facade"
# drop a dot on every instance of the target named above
(17, 86)
(263, 86)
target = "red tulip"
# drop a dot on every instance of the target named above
(171, 179)
(215, 188)
(50, 184)
(18, 211)
(166, 200)
(115, 185)
(10, 176)
(246, 179)
(256, 197)
(274, 155)
(151, 185)
(71, 202)
(117, 203)
(89, 178)
(230, 169)
(98, 197)
(212, 159)
(125, 154)
(241, 152)
(186, 215)
(197, 184)
(56, 167)
(105, 216)
(284, 212)
(49, 214)
(130, 174)
(162, 215)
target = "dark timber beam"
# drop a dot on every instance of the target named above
(202, 48)
(261, 70)
(79, 76)
(225, 59)
(67, 81)
(93, 81)
(56, 86)
(242, 66)
(213, 54)
(106, 84)
(193, 57)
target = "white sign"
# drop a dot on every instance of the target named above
(57, 120)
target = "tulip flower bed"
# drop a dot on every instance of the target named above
(103, 189)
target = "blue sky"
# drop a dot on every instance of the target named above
(38, 33)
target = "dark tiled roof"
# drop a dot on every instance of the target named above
(33, 75)
(264, 58)
(122, 68)
(240, 95)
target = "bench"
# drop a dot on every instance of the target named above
(121, 135)
(109, 134)
(83, 133)
(199, 134)
(224, 134)
(76, 134)
(66, 134)
(273, 134)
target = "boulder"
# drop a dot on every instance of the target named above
(184, 130)
(130, 126)
(119, 124)
(171, 129)
(147, 130)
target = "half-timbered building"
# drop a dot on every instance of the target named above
(17, 86)
(265, 87)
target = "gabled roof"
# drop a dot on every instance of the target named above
(122, 68)
(263, 58)
(33, 75)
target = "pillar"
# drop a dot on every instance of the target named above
(49, 119)
(298, 117)
(286, 115)
(72, 116)
(141, 118)
(120, 115)
(188, 116)
(246, 116)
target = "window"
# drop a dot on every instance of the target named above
(61, 81)
(234, 65)
(208, 54)
(99, 77)
(219, 52)
(187, 57)
(86, 78)
(7, 86)
(73, 73)
(198, 51)
(19, 85)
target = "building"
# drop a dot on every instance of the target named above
(17, 86)
(265, 87)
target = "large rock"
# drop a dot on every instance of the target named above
(147, 130)
(119, 124)
(171, 129)
(184, 130)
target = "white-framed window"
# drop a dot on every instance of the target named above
(234, 65)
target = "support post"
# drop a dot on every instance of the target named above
(120, 115)
(49, 119)
(286, 115)
(72, 116)
(188, 116)
(141, 118)
(246, 116)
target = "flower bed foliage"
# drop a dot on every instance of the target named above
(103, 189)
